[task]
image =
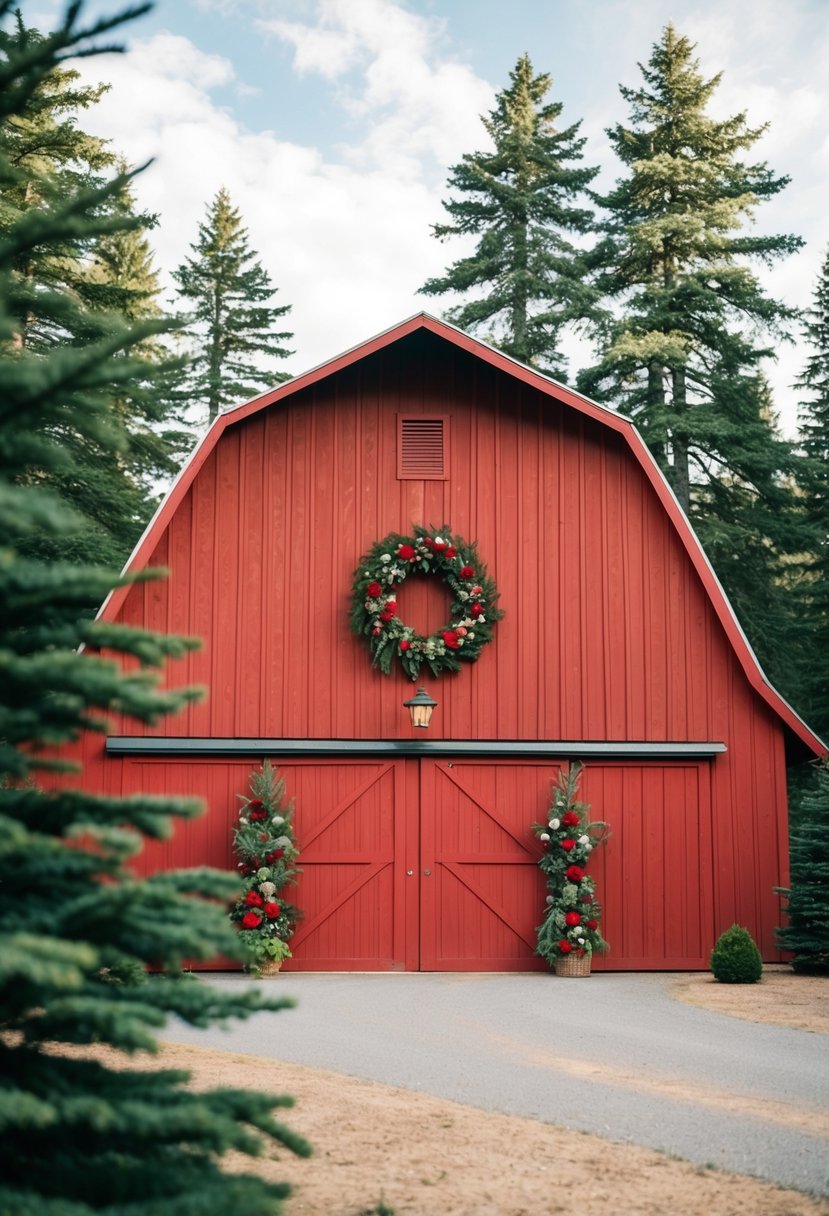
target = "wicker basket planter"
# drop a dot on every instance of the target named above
(270, 966)
(573, 965)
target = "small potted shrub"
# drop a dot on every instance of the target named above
(735, 958)
(570, 932)
(264, 842)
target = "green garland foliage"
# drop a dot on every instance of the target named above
(571, 921)
(473, 612)
(264, 842)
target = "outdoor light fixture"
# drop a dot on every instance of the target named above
(420, 708)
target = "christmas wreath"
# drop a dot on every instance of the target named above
(473, 613)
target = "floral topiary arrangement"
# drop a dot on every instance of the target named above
(264, 842)
(570, 929)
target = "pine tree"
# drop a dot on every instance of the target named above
(813, 483)
(681, 352)
(520, 200)
(80, 1134)
(807, 933)
(112, 489)
(231, 319)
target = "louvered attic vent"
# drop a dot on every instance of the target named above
(422, 447)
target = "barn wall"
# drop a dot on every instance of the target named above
(608, 633)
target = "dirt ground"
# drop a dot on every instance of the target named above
(379, 1150)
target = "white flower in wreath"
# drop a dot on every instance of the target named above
(549, 900)
(242, 819)
(588, 848)
(277, 819)
(545, 836)
(580, 941)
(481, 619)
(555, 823)
(385, 559)
(283, 842)
(267, 888)
(569, 893)
(584, 840)
(471, 633)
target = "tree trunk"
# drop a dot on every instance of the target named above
(680, 469)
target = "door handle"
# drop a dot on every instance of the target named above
(409, 873)
(427, 872)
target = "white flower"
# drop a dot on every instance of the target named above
(277, 819)
(550, 899)
(283, 842)
(545, 836)
(367, 573)
(439, 540)
(581, 941)
(267, 889)
(481, 619)
(555, 823)
(385, 559)
(242, 819)
(588, 848)
(471, 633)
(584, 840)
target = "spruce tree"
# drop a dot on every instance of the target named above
(807, 900)
(81, 1133)
(813, 484)
(520, 200)
(231, 317)
(111, 488)
(681, 350)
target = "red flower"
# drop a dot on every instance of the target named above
(467, 572)
(450, 638)
(574, 873)
(406, 552)
(568, 844)
(373, 590)
(439, 546)
(253, 900)
(255, 804)
(391, 605)
(476, 610)
(581, 952)
(263, 835)
(428, 542)
(572, 919)
(272, 910)
(564, 946)
(570, 819)
(275, 856)
(593, 924)
(251, 920)
(404, 645)
(451, 552)
(256, 815)
(387, 615)
(376, 631)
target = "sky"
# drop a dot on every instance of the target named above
(333, 124)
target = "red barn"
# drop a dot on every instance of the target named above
(617, 647)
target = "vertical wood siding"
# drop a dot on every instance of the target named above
(608, 632)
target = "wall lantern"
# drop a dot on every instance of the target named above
(420, 708)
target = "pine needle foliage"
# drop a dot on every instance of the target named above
(81, 1133)
(807, 899)
(688, 325)
(231, 317)
(813, 484)
(74, 286)
(523, 201)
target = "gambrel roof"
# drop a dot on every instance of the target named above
(807, 744)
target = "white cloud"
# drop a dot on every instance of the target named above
(346, 244)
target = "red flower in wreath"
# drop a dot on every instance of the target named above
(564, 946)
(373, 590)
(451, 551)
(574, 873)
(568, 844)
(274, 856)
(405, 645)
(255, 816)
(406, 552)
(255, 804)
(592, 924)
(253, 900)
(387, 615)
(272, 910)
(569, 819)
(476, 610)
(450, 638)
(467, 572)
(251, 920)
(572, 919)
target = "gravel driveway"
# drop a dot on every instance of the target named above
(616, 1055)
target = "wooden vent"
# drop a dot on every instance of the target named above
(422, 448)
